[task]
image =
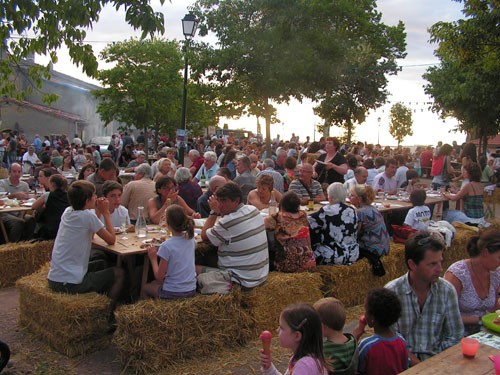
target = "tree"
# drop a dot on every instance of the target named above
(271, 51)
(401, 122)
(144, 88)
(466, 83)
(36, 27)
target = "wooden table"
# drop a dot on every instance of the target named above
(452, 362)
(10, 210)
(124, 248)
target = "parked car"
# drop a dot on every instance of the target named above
(102, 141)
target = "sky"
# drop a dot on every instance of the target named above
(298, 118)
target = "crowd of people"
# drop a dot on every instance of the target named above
(252, 209)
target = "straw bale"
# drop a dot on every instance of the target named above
(265, 303)
(154, 334)
(21, 259)
(71, 324)
(350, 284)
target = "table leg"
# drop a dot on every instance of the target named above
(145, 270)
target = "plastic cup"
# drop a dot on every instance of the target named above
(469, 347)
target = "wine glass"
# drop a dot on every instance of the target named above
(163, 225)
(123, 227)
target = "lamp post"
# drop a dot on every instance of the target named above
(378, 133)
(189, 24)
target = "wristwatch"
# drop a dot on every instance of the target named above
(213, 213)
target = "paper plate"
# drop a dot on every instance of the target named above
(324, 202)
(488, 322)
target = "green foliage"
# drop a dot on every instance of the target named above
(466, 83)
(401, 122)
(144, 88)
(56, 23)
(272, 51)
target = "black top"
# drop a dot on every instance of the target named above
(331, 175)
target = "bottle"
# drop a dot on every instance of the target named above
(273, 205)
(203, 180)
(140, 224)
(310, 204)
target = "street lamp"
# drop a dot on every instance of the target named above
(378, 133)
(189, 24)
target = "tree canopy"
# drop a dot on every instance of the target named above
(42, 27)
(401, 122)
(144, 88)
(271, 51)
(466, 83)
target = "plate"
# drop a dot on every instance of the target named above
(199, 223)
(152, 241)
(324, 202)
(151, 229)
(392, 198)
(488, 322)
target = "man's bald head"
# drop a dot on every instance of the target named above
(216, 182)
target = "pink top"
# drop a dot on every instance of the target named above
(304, 366)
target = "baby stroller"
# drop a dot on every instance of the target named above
(4, 355)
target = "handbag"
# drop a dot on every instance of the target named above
(214, 282)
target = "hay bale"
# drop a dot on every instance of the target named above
(350, 284)
(71, 324)
(21, 259)
(154, 334)
(265, 303)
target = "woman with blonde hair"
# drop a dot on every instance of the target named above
(164, 169)
(261, 196)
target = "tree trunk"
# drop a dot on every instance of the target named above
(268, 130)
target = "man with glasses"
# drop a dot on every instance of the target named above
(305, 187)
(239, 235)
(430, 320)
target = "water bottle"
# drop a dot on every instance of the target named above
(273, 205)
(140, 224)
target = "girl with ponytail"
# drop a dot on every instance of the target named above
(173, 261)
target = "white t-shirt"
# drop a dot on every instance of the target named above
(116, 216)
(418, 217)
(384, 183)
(181, 271)
(71, 252)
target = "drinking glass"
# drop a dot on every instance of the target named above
(123, 227)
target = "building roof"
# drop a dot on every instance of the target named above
(492, 141)
(46, 110)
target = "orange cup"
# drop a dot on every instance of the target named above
(469, 347)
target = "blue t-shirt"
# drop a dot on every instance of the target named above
(181, 272)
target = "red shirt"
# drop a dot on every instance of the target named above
(426, 158)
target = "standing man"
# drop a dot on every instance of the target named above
(240, 236)
(17, 228)
(430, 321)
(386, 181)
(305, 187)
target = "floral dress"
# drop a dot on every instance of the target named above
(334, 234)
(292, 245)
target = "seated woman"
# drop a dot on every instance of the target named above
(68, 166)
(166, 188)
(373, 237)
(472, 195)
(164, 169)
(292, 245)
(50, 207)
(86, 171)
(189, 190)
(334, 229)
(261, 196)
(477, 280)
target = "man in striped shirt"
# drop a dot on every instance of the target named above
(240, 236)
